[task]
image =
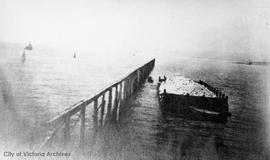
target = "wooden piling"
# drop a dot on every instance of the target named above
(119, 101)
(102, 110)
(114, 112)
(226, 98)
(138, 76)
(223, 96)
(220, 94)
(109, 107)
(126, 88)
(67, 129)
(95, 116)
(131, 86)
(120, 93)
(82, 129)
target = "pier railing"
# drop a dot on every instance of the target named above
(106, 104)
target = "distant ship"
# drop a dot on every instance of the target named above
(249, 62)
(29, 46)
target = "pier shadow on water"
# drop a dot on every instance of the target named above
(145, 132)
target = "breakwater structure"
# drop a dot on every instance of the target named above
(221, 100)
(194, 99)
(105, 108)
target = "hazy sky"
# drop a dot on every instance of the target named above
(215, 26)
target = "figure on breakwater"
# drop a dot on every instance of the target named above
(74, 56)
(162, 79)
(150, 79)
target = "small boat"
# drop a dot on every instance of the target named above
(196, 113)
(198, 110)
(28, 47)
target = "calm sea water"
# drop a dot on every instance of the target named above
(245, 136)
(46, 82)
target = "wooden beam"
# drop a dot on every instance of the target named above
(109, 107)
(67, 129)
(95, 115)
(82, 129)
(102, 110)
(114, 114)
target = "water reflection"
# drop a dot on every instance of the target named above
(23, 56)
(190, 114)
(192, 137)
(185, 138)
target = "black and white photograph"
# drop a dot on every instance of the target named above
(134, 79)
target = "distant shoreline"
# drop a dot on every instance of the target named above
(254, 63)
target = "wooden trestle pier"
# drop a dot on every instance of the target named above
(106, 104)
